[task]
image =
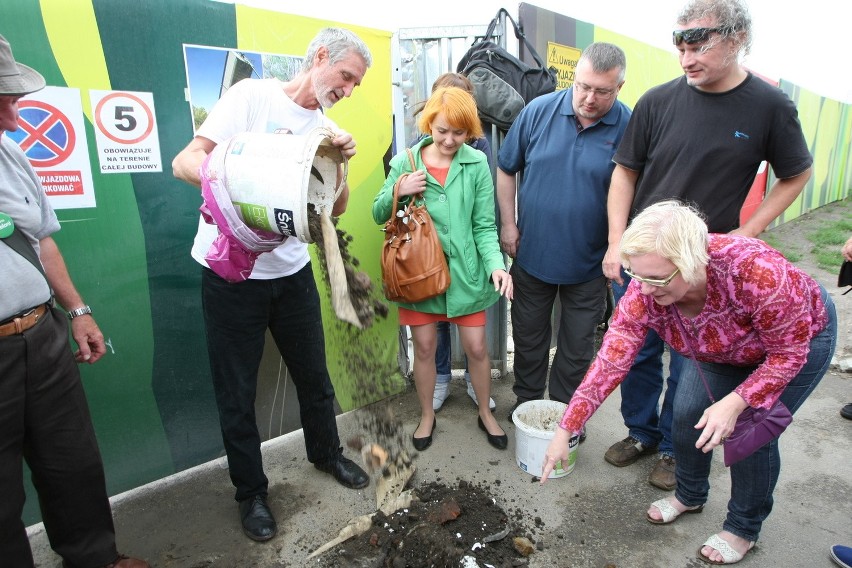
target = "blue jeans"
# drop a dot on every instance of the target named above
(236, 317)
(444, 354)
(752, 479)
(641, 389)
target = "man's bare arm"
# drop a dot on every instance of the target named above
(622, 188)
(187, 163)
(782, 193)
(506, 195)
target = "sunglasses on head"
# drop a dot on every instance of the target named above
(693, 35)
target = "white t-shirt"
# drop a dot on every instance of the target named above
(258, 105)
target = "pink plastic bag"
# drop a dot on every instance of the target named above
(235, 250)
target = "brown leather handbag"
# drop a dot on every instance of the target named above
(414, 267)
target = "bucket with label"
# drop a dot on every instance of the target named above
(271, 178)
(536, 422)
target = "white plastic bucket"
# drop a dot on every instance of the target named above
(272, 177)
(536, 422)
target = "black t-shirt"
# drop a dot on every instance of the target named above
(705, 148)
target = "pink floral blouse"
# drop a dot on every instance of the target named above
(760, 311)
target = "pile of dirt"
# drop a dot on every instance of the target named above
(447, 526)
(444, 526)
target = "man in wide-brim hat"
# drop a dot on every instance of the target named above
(44, 416)
(16, 79)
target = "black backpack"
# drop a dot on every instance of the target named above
(503, 83)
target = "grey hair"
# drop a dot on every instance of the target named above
(731, 16)
(672, 230)
(339, 42)
(605, 57)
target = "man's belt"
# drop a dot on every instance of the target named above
(23, 322)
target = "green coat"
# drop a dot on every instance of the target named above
(463, 212)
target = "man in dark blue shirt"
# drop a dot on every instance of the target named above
(563, 144)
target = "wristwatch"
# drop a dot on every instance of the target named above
(79, 312)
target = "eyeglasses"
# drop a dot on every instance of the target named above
(693, 35)
(653, 281)
(585, 89)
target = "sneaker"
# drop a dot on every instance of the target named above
(472, 394)
(663, 474)
(846, 411)
(442, 391)
(842, 555)
(627, 451)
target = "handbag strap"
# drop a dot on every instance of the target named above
(676, 316)
(396, 185)
(489, 33)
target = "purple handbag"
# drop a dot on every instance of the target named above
(755, 427)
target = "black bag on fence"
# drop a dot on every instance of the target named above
(503, 83)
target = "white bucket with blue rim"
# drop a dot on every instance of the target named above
(536, 422)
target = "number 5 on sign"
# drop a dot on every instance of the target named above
(126, 132)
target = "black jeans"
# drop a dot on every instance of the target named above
(237, 316)
(44, 419)
(582, 307)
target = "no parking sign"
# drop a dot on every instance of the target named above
(126, 132)
(51, 133)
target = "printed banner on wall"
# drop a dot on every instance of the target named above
(126, 132)
(564, 59)
(52, 134)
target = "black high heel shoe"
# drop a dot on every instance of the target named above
(499, 442)
(421, 444)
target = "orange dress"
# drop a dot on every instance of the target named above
(410, 317)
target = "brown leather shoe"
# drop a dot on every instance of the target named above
(627, 451)
(663, 474)
(126, 562)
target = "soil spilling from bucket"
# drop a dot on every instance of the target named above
(362, 354)
(362, 293)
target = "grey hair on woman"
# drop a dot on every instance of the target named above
(673, 231)
(339, 42)
(731, 16)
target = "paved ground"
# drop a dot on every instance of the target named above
(594, 517)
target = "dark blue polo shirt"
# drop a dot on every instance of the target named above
(563, 190)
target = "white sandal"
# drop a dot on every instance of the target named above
(669, 513)
(723, 547)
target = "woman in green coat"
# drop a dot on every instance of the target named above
(459, 193)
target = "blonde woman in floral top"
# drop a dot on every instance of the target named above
(760, 329)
